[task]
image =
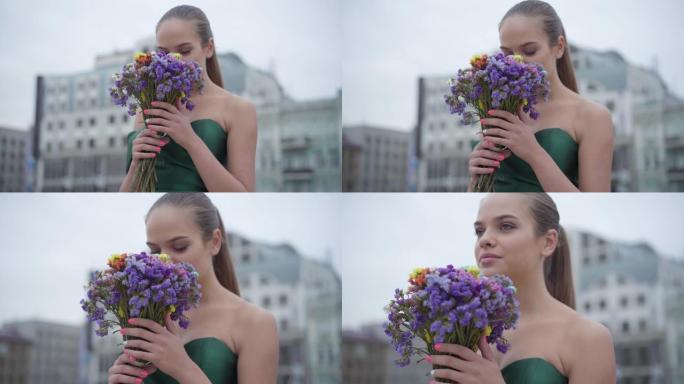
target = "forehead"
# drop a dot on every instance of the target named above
(173, 32)
(167, 222)
(517, 30)
(498, 204)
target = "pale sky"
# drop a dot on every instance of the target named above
(388, 44)
(300, 37)
(385, 236)
(51, 241)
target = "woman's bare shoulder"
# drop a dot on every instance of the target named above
(586, 342)
(592, 119)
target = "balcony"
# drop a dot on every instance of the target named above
(295, 143)
(298, 174)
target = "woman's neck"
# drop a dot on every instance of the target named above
(211, 289)
(533, 295)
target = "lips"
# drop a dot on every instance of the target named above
(489, 257)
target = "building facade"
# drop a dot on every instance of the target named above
(14, 358)
(305, 297)
(636, 293)
(53, 354)
(15, 160)
(381, 163)
(80, 135)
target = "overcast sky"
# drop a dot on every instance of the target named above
(51, 241)
(301, 37)
(387, 44)
(385, 236)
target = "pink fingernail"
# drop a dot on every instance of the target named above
(158, 149)
(138, 380)
(497, 163)
(131, 321)
(428, 359)
(438, 347)
(144, 374)
(501, 156)
(123, 331)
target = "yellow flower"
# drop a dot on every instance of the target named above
(139, 55)
(488, 330)
(176, 55)
(164, 257)
(524, 102)
(473, 270)
(172, 308)
(518, 58)
(121, 312)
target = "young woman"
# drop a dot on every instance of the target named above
(519, 235)
(570, 147)
(228, 340)
(198, 154)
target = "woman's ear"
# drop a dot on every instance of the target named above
(216, 241)
(210, 48)
(560, 46)
(550, 242)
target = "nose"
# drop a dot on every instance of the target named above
(486, 240)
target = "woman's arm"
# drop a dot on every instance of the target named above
(242, 142)
(592, 355)
(258, 350)
(596, 149)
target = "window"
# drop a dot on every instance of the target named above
(79, 144)
(92, 121)
(266, 302)
(587, 306)
(641, 299)
(92, 143)
(625, 327)
(602, 304)
(112, 142)
(602, 257)
(283, 300)
(642, 325)
(623, 302)
(112, 119)
(79, 123)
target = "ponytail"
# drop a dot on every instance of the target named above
(558, 272)
(223, 265)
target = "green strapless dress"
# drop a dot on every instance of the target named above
(515, 175)
(214, 358)
(175, 170)
(533, 370)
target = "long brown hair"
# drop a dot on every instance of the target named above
(189, 12)
(207, 218)
(557, 267)
(553, 27)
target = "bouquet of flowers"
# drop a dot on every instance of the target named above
(143, 286)
(496, 82)
(155, 76)
(450, 305)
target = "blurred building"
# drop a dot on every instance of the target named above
(15, 160)
(351, 164)
(648, 120)
(305, 297)
(380, 163)
(637, 294)
(674, 143)
(14, 358)
(369, 358)
(80, 135)
(53, 355)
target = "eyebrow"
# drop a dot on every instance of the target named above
(498, 218)
(178, 46)
(524, 45)
(171, 240)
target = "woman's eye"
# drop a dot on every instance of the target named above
(180, 249)
(530, 53)
(507, 226)
(478, 232)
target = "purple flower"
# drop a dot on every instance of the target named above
(450, 305)
(141, 285)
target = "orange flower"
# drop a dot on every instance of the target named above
(117, 261)
(143, 58)
(479, 61)
(417, 277)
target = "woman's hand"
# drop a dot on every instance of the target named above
(146, 145)
(513, 132)
(123, 373)
(484, 159)
(172, 120)
(160, 346)
(467, 367)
